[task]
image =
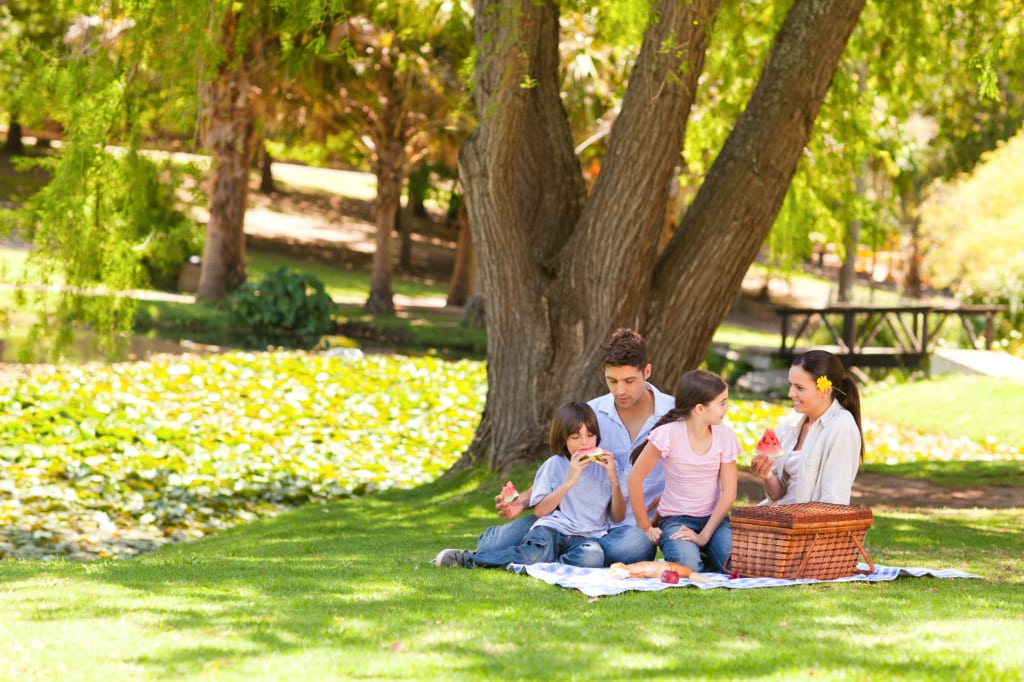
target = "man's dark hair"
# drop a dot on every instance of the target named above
(626, 347)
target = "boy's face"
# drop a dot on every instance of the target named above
(580, 440)
(626, 384)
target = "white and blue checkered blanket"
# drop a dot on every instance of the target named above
(599, 582)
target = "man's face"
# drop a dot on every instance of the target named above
(626, 383)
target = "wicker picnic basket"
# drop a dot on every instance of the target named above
(810, 540)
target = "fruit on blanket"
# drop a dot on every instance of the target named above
(509, 493)
(769, 444)
(652, 569)
(670, 577)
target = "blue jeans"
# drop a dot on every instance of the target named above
(627, 544)
(543, 544)
(690, 554)
(506, 535)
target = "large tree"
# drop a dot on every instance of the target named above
(560, 268)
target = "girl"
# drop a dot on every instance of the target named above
(822, 441)
(698, 454)
(576, 495)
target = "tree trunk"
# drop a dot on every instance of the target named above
(461, 285)
(267, 185)
(851, 242)
(14, 145)
(388, 168)
(229, 139)
(560, 271)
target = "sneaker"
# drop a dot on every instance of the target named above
(454, 557)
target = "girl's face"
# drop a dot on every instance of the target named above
(715, 409)
(580, 440)
(806, 397)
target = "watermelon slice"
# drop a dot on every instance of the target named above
(594, 454)
(769, 444)
(509, 493)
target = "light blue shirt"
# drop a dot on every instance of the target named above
(615, 439)
(584, 509)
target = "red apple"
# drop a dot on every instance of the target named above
(670, 577)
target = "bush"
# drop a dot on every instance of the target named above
(285, 308)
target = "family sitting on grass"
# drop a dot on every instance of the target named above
(635, 470)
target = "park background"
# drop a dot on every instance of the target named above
(196, 505)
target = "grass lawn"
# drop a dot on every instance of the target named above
(344, 591)
(974, 406)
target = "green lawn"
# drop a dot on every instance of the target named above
(981, 408)
(344, 591)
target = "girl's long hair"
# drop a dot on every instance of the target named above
(696, 387)
(819, 363)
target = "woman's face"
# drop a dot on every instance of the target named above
(580, 440)
(806, 397)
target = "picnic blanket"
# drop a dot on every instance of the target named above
(598, 582)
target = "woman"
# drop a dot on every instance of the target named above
(822, 441)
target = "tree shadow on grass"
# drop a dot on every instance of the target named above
(351, 582)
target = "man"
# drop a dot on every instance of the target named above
(625, 415)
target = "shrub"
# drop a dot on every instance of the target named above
(285, 308)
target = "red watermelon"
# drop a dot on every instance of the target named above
(769, 444)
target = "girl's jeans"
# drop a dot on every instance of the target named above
(711, 557)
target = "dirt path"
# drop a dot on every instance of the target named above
(891, 492)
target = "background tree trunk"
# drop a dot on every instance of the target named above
(229, 139)
(461, 285)
(13, 144)
(560, 271)
(388, 168)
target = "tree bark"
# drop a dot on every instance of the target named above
(461, 285)
(560, 270)
(229, 139)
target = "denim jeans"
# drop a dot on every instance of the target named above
(544, 544)
(505, 536)
(712, 556)
(627, 544)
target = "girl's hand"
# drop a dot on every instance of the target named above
(761, 466)
(685, 533)
(653, 534)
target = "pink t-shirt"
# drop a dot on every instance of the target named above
(692, 483)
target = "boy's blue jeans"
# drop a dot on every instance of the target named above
(543, 545)
(711, 557)
(624, 543)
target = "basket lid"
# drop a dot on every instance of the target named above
(803, 514)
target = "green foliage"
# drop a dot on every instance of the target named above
(285, 308)
(101, 460)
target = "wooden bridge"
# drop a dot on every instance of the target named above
(855, 331)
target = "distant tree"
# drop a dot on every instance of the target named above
(398, 84)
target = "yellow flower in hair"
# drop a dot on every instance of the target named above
(823, 383)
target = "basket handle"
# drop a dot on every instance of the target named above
(871, 563)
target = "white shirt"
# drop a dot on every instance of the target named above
(824, 467)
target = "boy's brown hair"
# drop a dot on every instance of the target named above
(568, 419)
